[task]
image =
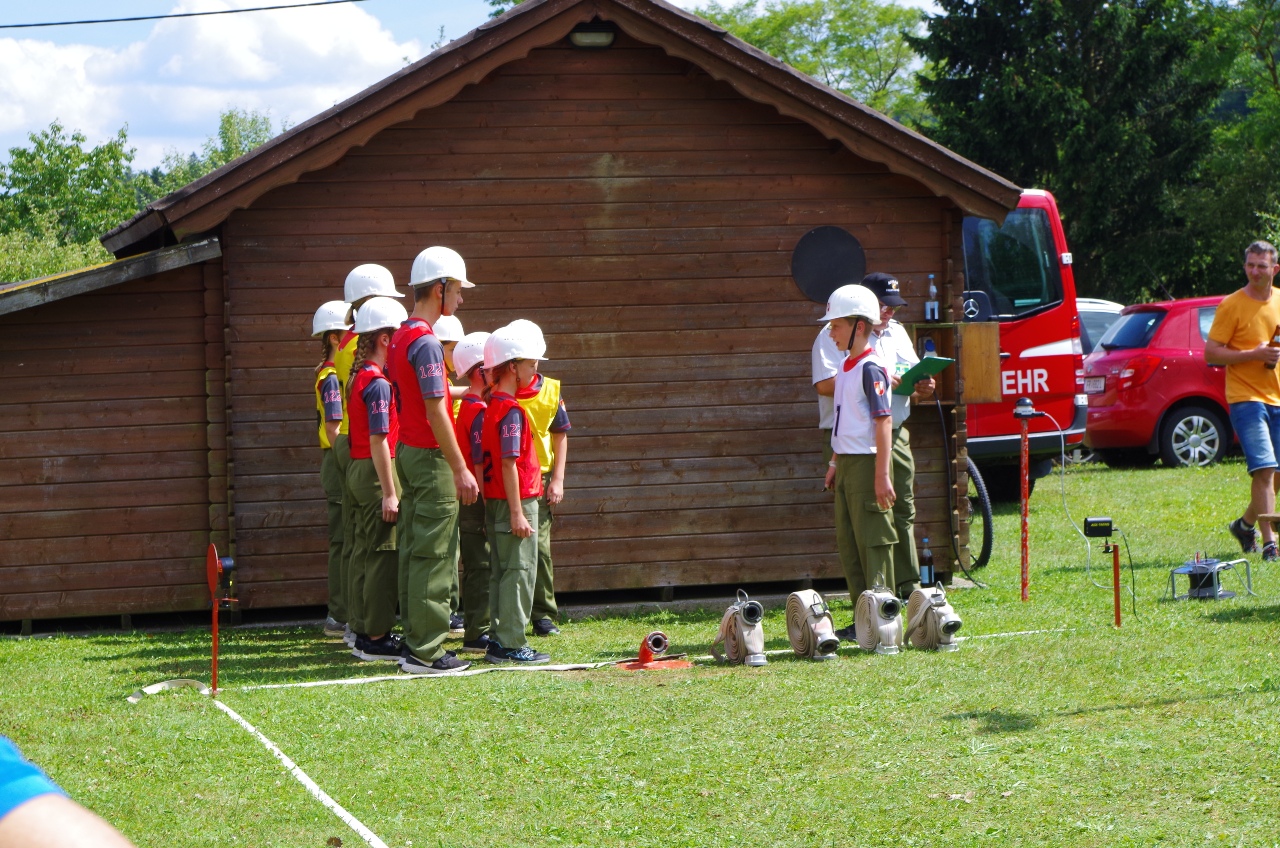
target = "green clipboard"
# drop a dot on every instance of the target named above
(926, 367)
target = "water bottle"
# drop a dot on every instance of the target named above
(926, 564)
(931, 305)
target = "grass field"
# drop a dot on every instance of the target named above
(1161, 733)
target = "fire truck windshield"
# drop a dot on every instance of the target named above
(1015, 264)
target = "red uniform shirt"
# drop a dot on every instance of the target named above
(360, 413)
(500, 427)
(411, 386)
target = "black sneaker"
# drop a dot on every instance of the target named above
(545, 627)
(1269, 552)
(846, 634)
(447, 663)
(1246, 536)
(387, 648)
(478, 645)
(457, 625)
(521, 656)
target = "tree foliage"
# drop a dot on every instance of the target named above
(58, 196)
(859, 47)
(1107, 104)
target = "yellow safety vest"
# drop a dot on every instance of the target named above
(344, 361)
(541, 409)
(320, 378)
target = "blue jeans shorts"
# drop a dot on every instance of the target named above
(1257, 426)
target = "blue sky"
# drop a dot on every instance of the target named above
(168, 81)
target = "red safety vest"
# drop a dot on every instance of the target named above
(472, 406)
(415, 430)
(366, 373)
(526, 463)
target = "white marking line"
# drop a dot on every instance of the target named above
(316, 792)
(1020, 633)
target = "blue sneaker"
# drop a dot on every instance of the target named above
(519, 656)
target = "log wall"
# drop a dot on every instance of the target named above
(104, 457)
(644, 215)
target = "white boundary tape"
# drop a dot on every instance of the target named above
(316, 792)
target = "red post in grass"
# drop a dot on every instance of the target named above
(1026, 485)
(213, 571)
(1115, 578)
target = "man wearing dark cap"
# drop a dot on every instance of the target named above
(894, 346)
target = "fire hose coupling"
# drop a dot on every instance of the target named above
(741, 633)
(653, 646)
(878, 621)
(809, 627)
(932, 621)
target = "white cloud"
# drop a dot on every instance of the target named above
(171, 87)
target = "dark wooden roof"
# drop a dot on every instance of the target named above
(204, 204)
(15, 297)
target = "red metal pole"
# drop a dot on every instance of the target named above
(1026, 485)
(1115, 578)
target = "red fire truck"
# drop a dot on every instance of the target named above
(1019, 274)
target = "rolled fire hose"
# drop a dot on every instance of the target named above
(809, 626)
(741, 633)
(878, 621)
(931, 621)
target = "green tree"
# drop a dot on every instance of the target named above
(239, 132)
(859, 47)
(61, 188)
(1107, 104)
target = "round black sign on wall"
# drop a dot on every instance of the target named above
(826, 258)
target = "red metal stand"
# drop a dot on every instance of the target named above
(1115, 578)
(1026, 485)
(213, 571)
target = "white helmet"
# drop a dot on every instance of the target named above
(470, 352)
(439, 263)
(852, 301)
(448, 329)
(330, 316)
(379, 313)
(508, 343)
(369, 281)
(533, 333)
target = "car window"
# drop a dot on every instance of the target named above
(1132, 331)
(1206, 321)
(1015, 263)
(1093, 326)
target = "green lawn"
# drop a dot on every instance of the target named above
(1161, 733)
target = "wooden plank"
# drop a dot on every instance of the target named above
(159, 489)
(706, 572)
(20, 418)
(116, 305)
(556, 221)
(143, 332)
(37, 471)
(122, 546)
(293, 593)
(105, 526)
(132, 600)
(696, 548)
(125, 360)
(38, 388)
(73, 577)
(102, 440)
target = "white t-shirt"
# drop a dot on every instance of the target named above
(895, 349)
(826, 359)
(862, 396)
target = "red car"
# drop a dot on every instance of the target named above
(1151, 395)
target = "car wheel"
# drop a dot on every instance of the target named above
(1126, 458)
(1193, 435)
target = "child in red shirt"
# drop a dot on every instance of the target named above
(512, 485)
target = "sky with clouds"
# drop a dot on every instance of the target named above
(168, 81)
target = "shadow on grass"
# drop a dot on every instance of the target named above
(1267, 615)
(997, 721)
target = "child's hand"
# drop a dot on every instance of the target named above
(829, 481)
(520, 526)
(467, 488)
(555, 491)
(390, 508)
(885, 496)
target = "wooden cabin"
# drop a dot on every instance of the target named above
(639, 201)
